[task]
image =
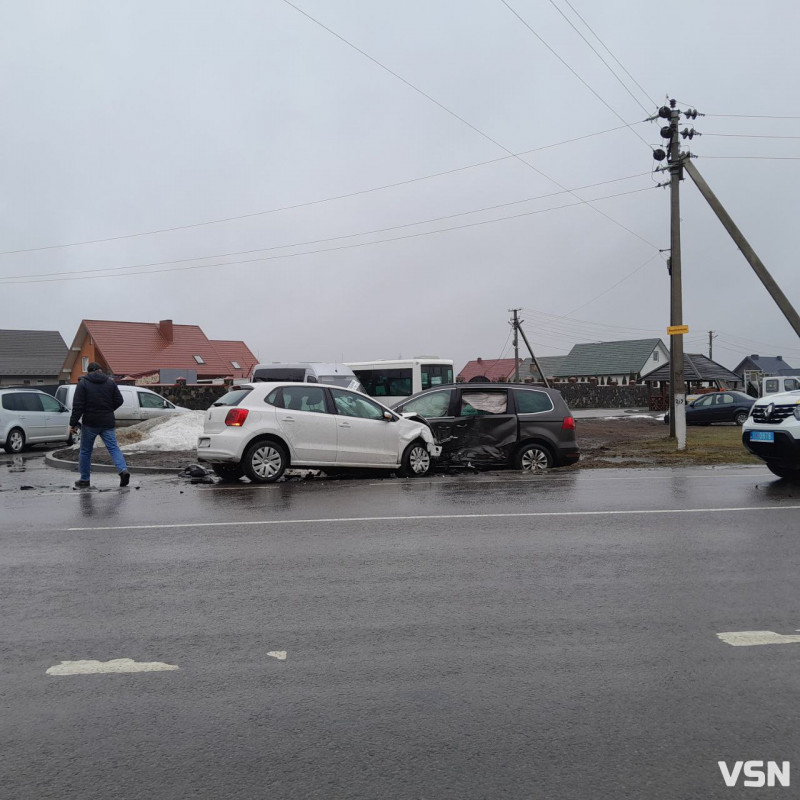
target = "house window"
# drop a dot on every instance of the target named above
(199, 359)
(655, 355)
(84, 363)
(236, 365)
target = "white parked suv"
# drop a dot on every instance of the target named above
(258, 430)
(772, 432)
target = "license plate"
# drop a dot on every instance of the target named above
(762, 436)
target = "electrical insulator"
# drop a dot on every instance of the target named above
(664, 112)
(691, 113)
(688, 133)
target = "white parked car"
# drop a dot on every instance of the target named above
(138, 404)
(772, 432)
(31, 417)
(258, 430)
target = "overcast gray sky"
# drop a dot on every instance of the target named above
(340, 181)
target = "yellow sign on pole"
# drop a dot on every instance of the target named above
(674, 330)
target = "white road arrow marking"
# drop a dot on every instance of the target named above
(115, 665)
(279, 654)
(749, 638)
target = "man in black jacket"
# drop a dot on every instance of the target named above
(96, 398)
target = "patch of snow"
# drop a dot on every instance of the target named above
(175, 432)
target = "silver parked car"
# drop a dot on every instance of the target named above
(28, 416)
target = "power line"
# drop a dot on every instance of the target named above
(9, 278)
(757, 158)
(614, 286)
(315, 252)
(750, 116)
(461, 119)
(308, 203)
(591, 46)
(749, 136)
(607, 105)
(653, 102)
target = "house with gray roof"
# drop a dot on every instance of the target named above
(620, 362)
(31, 357)
(550, 366)
(699, 371)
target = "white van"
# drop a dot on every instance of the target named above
(307, 372)
(138, 404)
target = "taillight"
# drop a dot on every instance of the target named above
(236, 417)
(568, 424)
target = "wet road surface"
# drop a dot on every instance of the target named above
(489, 636)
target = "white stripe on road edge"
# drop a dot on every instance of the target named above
(749, 638)
(418, 517)
(115, 665)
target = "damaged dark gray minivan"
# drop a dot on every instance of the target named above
(489, 425)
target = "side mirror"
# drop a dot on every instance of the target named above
(388, 416)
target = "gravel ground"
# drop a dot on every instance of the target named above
(603, 442)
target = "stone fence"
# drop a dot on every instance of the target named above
(587, 395)
(198, 397)
(576, 395)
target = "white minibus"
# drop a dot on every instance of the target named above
(390, 382)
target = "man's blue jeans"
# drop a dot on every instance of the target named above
(88, 435)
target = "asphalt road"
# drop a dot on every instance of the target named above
(491, 636)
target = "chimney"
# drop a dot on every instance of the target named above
(165, 329)
(480, 360)
(780, 358)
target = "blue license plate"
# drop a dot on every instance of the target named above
(762, 436)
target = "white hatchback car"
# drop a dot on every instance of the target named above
(258, 430)
(31, 417)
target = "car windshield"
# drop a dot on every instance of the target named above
(233, 397)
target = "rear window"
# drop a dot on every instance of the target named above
(531, 402)
(233, 398)
(280, 374)
(22, 401)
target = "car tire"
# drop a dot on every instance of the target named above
(416, 461)
(790, 473)
(265, 461)
(741, 418)
(15, 441)
(228, 472)
(534, 458)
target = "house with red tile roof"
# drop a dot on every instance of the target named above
(138, 350)
(498, 369)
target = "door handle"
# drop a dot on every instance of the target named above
(287, 419)
(344, 425)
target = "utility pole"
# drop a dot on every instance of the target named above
(711, 338)
(515, 324)
(677, 384)
(787, 309)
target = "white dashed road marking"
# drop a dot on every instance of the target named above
(115, 665)
(749, 638)
(279, 654)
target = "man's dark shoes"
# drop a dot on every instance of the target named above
(124, 478)
(82, 484)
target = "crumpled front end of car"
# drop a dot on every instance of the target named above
(412, 430)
